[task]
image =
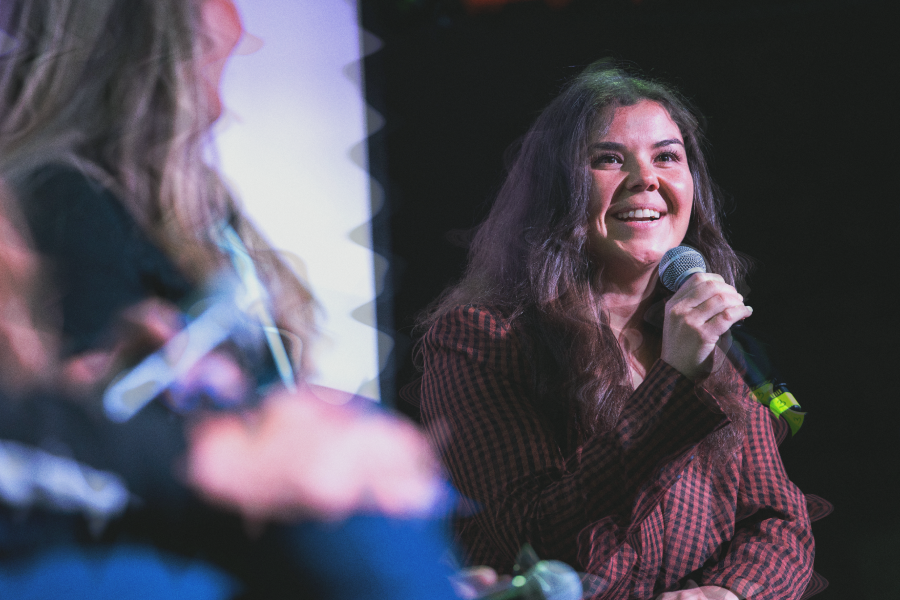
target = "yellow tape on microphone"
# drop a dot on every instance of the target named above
(782, 404)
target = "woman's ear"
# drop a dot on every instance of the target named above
(221, 31)
(222, 27)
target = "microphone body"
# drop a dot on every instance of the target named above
(745, 353)
(546, 580)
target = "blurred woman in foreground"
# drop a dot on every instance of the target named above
(105, 110)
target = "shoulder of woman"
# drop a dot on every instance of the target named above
(56, 191)
(482, 334)
(477, 319)
(55, 177)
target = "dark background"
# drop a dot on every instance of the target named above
(800, 99)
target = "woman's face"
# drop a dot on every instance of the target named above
(222, 30)
(641, 189)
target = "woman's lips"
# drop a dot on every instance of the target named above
(640, 215)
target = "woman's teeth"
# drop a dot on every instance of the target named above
(643, 213)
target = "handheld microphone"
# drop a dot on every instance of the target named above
(236, 303)
(547, 580)
(746, 353)
(536, 579)
(132, 390)
(678, 264)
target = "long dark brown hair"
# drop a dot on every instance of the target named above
(530, 257)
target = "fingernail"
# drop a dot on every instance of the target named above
(750, 308)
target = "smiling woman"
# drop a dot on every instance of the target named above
(583, 412)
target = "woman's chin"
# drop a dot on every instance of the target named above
(641, 259)
(630, 267)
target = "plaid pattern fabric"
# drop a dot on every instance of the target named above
(631, 507)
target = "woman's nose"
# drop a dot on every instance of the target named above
(642, 176)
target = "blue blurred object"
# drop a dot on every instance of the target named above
(375, 558)
(123, 573)
(174, 546)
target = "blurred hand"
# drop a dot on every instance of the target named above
(697, 317)
(474, 582)
(707, 592)
(141, 330)
(25, 351)
(299, 456)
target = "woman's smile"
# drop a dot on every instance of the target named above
(640, 215)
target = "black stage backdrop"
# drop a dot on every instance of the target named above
(802, 125)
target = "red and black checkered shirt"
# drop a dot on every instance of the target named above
(630, 506)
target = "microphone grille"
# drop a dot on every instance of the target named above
(678, 264)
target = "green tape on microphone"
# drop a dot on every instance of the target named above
(781, 402)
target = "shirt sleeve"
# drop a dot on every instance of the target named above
(99, 259)
(771, 553)
(502, 455)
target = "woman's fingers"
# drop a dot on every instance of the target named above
(701, 288)
(718, 313)
(722, 320)
(712, 313)
(696, 317)
(217, 377)
(297, 455)
(472, 582)
(140, 330)
(706, 592)
(694, 284)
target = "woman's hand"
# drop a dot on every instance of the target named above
(26, 352)
(299, 456)
(475, 582)
(141, 330)
(696, 318)
(692, 592)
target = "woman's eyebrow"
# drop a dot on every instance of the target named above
(668, 142)
(621, 147)
(607, 146)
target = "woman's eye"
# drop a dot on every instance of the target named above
(605, 159)
(668, 157)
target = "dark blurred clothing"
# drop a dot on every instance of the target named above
(99, 499)
(101, 262)
(165, 530)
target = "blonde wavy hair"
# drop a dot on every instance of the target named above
(115, 88)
